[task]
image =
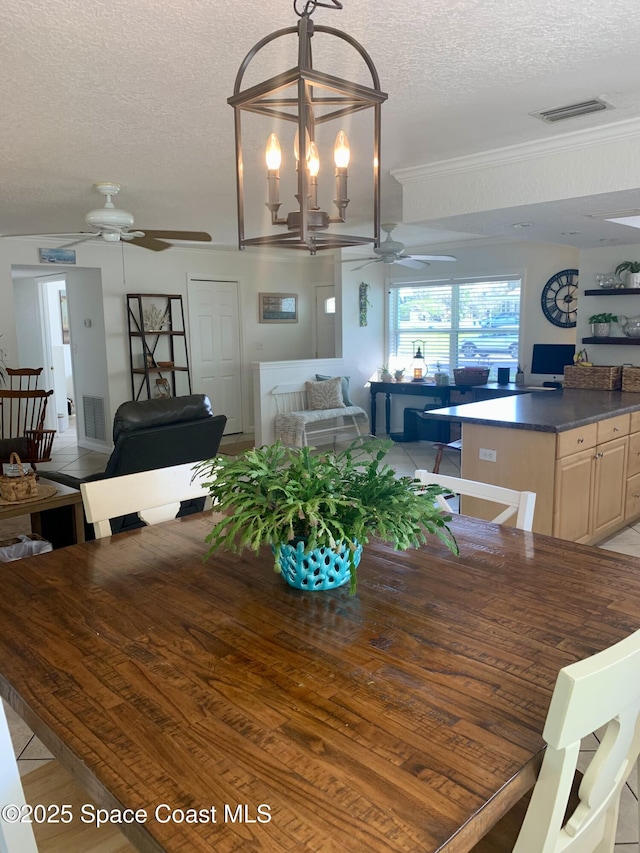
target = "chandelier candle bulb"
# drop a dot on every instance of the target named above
(273, 157)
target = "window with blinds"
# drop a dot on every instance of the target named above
(456, 324)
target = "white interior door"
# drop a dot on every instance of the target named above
(214, 326)
(325, 321)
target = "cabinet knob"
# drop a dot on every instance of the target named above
(598, 456)
(581, 441)
(616, 429)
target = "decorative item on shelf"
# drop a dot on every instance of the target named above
(601, 324)
(440, 377)
(148, 360)
(316, 511)
(299, 99)
(398, 375)
(385, 374)
(363, 302)
(162, 388)
(165, 365)
(607, 280)
(154, 318)
(630, 326)
(628, 273)
(519, 376)
(418, 365)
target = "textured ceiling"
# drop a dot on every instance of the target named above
(136, 93)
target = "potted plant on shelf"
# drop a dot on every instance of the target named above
(632, 270)
(385, 373)
(316, 511)
(601, 324)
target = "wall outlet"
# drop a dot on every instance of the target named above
(487, 455)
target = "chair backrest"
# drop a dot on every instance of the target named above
(520, 504)
(290, 398)
(22, 417)
(15, 836)
(601, 691)
(154, 495)
(23, 378)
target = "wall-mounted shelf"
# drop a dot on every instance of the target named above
(619, 342)
(613, 291)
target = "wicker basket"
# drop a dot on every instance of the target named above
(470, 375)
(18, 488)
(599, 377)
(631, 378)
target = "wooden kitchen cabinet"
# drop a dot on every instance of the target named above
(608, 490)
(572, 504)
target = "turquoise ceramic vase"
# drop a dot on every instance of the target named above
(322, 568)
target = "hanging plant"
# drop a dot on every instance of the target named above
(363, 302)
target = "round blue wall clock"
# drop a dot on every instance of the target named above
(559, 299)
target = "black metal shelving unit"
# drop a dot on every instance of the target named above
(148, 346)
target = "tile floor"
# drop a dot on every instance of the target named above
(405, 458)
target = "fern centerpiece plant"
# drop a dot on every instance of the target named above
(319, 503)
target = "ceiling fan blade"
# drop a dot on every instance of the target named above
(79, 238)
(199, 236)
(411, 262)
(148, 242)
(66, 234)
(433, 257)
(366, 264)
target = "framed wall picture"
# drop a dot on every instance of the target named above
(278, 307)
(64, 317)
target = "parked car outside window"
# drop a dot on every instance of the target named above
(482, 344)
(499, 320)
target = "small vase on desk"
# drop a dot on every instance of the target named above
(519, 377)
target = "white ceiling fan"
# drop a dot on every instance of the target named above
(392, 252)
(111, 224)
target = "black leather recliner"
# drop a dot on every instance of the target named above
(152, 434)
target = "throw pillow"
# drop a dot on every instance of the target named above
(345, 387)
(326, 394)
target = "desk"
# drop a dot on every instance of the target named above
(406, 718)
(65, 508)
(441, 393)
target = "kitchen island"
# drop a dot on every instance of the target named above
(578, 450)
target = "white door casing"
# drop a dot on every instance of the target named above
(214, 332)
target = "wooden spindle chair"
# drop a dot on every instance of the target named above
(23, 408)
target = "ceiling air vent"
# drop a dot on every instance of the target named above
(595, 105)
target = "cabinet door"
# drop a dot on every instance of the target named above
(609, 485)
(633, 462)
(571, 512)
(632, 502)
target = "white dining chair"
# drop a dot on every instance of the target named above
(520, 504)
(154, 495)
(49, 787)
(601, 692)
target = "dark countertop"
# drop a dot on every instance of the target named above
(552, 411)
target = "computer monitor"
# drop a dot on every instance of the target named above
(550, 359)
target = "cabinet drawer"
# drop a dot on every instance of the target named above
(613, 428)
(633, 462)
(634, 426)
(574, 440)
(632, 502)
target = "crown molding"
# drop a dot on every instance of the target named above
(576, 140)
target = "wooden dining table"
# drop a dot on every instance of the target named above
(234, 713)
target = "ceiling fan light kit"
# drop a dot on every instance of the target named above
(308, 99)
(114, 225)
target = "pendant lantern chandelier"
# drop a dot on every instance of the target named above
(305, 100)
